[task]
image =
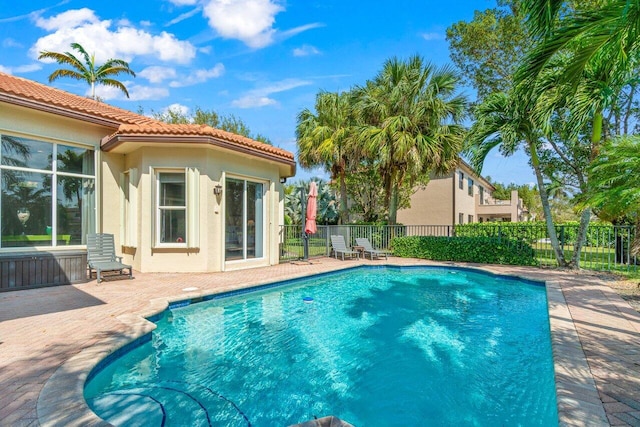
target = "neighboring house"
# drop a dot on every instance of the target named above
(178, 198)
(460, 197)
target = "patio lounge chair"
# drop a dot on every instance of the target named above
(101, 256)
(368, 248)
(340, 247)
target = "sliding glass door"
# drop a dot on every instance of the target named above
(244, 219)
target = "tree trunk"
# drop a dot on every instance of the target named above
(344, 208)
(580, 238)
(544, 198)
(393, 205)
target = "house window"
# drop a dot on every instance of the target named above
(470, 219)
(244, 219)
(460, 218)
(461, 180)
(481, 194)
(45, 202)
(470, 186)
(171, 217)
(176, 207)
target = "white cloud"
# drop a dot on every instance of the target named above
(68, 19)
(305, 50)
(9, 42)
(199, 76)
(178, 108)
(297, 30)
(253, 101)
(126, 42)
(260, 97)
(157, 74)
(250, 21)
(21, 68)
(136, 92)
(183, 16)
(432, 36)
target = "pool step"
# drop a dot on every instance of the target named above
(329, 421)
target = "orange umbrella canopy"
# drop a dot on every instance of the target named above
(312, 208)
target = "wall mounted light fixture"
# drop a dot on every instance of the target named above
(217, 190)
(283, 180)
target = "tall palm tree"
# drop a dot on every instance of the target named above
(505, 121)
(86, 69)
(324, 138)
(411, 118)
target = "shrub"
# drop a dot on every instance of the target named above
(485, 250)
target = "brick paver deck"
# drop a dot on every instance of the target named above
(50, 338)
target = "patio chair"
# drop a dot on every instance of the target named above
(101, 256)
(368, 248)
(340, 247)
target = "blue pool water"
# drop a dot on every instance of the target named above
(373, 346)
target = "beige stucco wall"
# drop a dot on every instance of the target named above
(214, 166)
(430, 205)
(464, 203)
(26, 122)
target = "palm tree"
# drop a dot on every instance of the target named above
(505, 121)
(87, 69)
(610, 185)
(603, 39)
(324, 138)
(410, 115)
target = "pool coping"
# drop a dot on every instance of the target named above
(578, 401)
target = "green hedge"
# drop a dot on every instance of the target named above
(597, 234)
(485, 250)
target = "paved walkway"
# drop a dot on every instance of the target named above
(50, 337)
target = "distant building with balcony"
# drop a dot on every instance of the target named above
(461, 197)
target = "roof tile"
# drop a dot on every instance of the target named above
(37, 95)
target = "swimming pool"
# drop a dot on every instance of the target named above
(374, 346)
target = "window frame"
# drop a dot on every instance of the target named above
(54, 174)
(460, 218)
(461, 180)
(158, 209)
(263, 230)
(470, 184)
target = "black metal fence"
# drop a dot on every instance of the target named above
(604, 248)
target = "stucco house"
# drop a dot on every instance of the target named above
(178, 198)
(460, 197)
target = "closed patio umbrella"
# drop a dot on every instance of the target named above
(310, 217)
(312, 208)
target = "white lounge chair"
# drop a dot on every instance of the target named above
(340, 247)
(368, 248)
(101, 256)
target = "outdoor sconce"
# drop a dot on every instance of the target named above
(283, 180)
(217, 190)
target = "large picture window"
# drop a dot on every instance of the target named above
(244, 219)
(45, 202)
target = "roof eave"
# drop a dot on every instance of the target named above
(60, 111)
(112, 142)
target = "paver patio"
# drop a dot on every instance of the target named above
(48, 338)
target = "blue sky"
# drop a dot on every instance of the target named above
(261, 60)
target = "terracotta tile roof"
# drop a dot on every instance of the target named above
(33, 94)
(166, 130)
(27, 93)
